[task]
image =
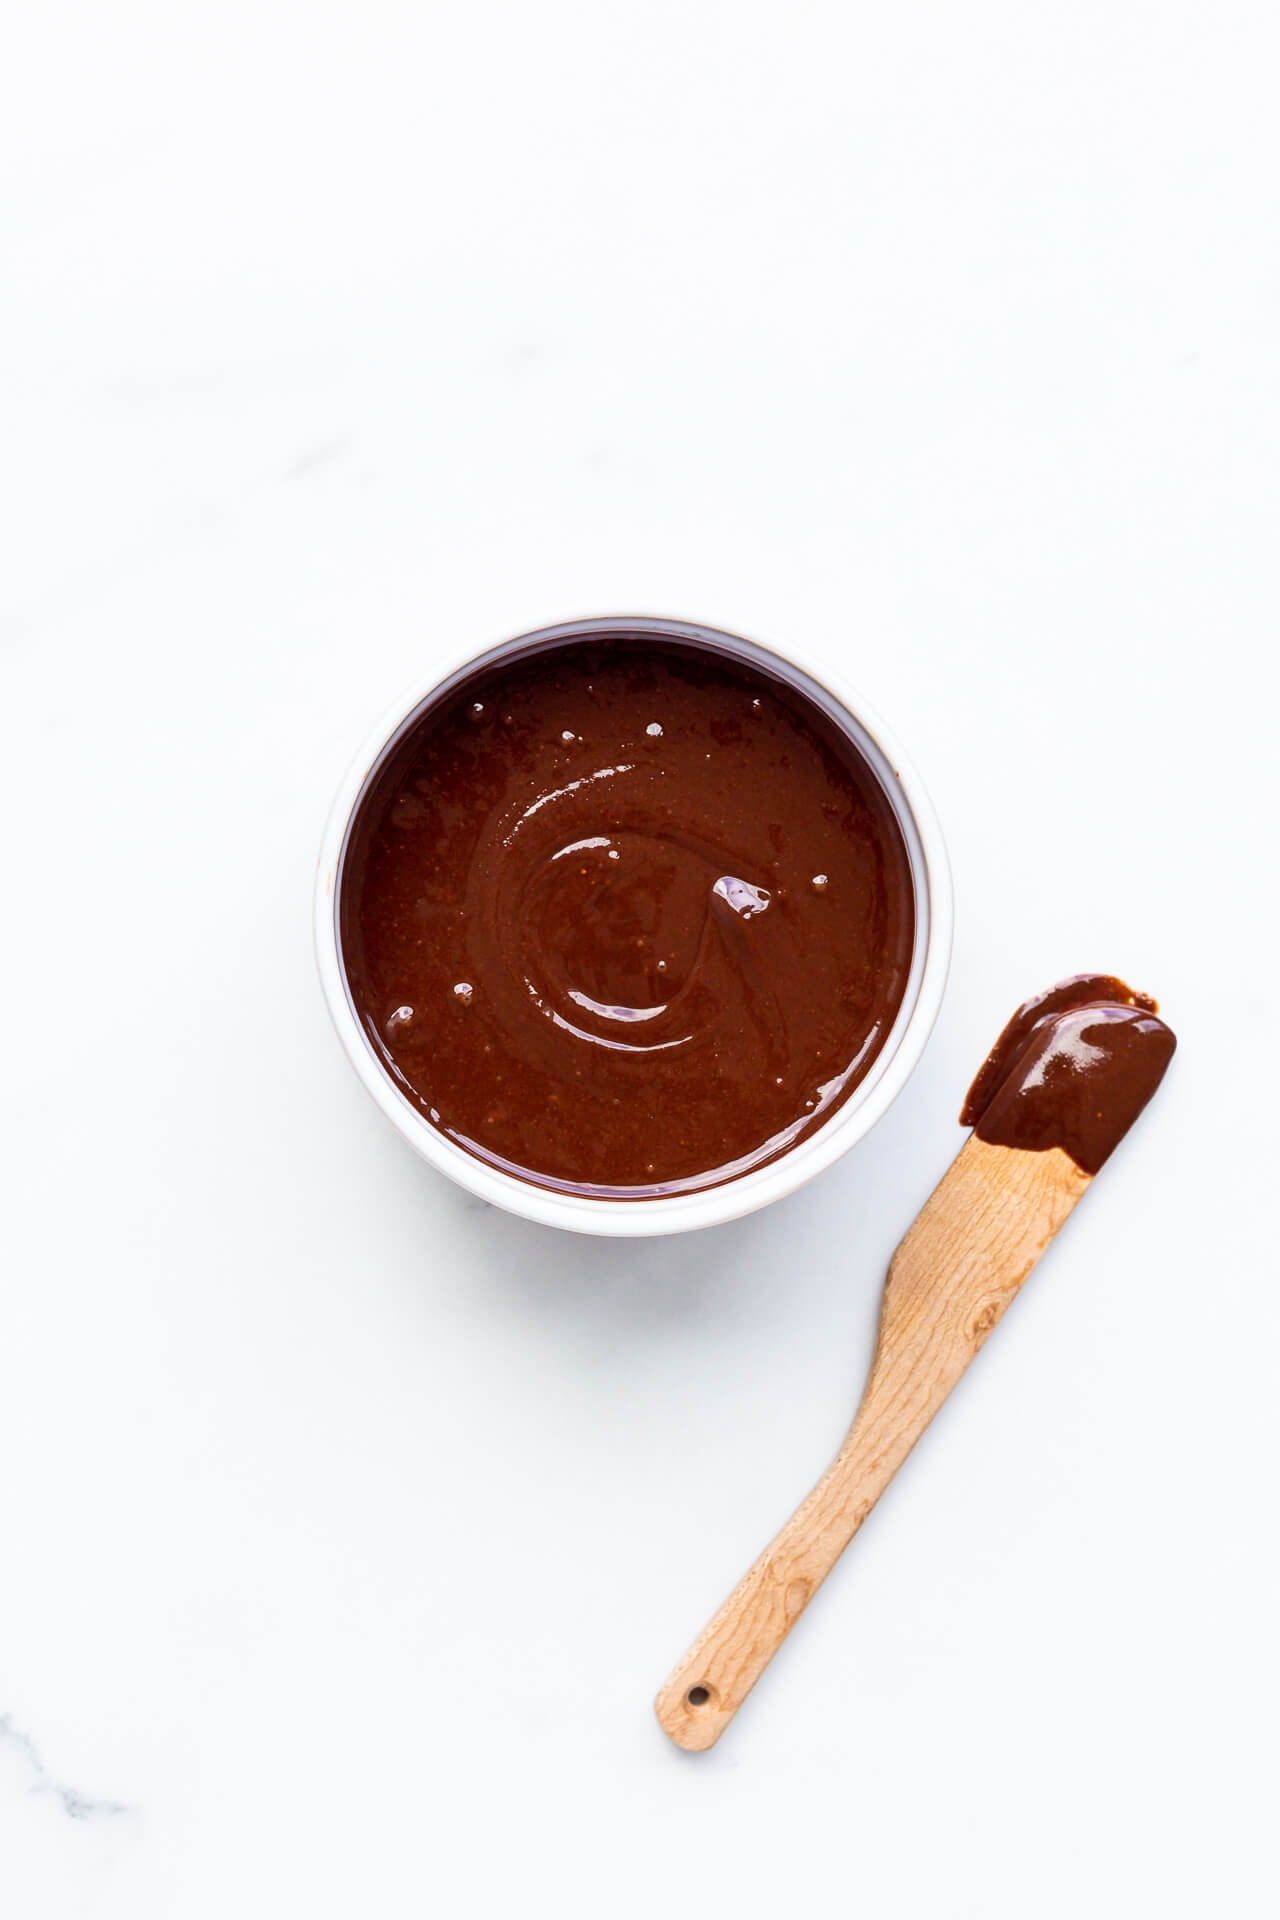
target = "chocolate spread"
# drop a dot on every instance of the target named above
(1074, 1068)
(627, 916)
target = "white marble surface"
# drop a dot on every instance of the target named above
(347, 1527)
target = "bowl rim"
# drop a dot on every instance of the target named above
(849, 1122)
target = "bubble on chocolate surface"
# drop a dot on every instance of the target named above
(464, 992)
(747, 901)
(819, 883)
(399, 1021)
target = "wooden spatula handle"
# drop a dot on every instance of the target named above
(962, 1262)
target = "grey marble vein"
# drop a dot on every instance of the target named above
(76, 1806)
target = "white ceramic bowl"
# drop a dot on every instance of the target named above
(580, 1213)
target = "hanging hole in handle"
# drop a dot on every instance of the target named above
(699, 1696)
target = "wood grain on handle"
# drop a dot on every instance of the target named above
(962, 1261)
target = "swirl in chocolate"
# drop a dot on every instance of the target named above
(1073, 1068)
(626, 917)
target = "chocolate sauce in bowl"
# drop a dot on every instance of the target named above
(626, 916)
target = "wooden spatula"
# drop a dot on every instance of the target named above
(1068, 1076)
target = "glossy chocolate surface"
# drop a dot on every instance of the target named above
(626, 917)
(1073, 1068)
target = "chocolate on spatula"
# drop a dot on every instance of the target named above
(1067, 1078)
